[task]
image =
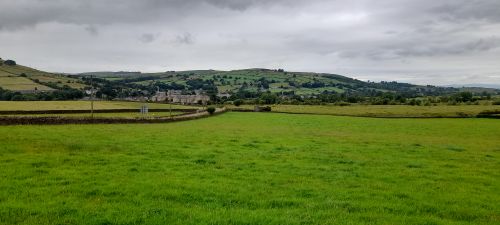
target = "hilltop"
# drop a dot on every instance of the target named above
(274, 81)
(18, 78)
(18, 82)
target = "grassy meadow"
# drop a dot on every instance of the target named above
(22, 78)
(128, 115)
(384, 110)
(253, 168)
(81, 105)
(14, 83)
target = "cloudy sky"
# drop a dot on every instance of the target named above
(417, 41)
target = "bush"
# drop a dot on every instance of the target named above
(342, 103)
(238, 102)
(262, 108)
(496, 102)
(211, 110)
(10, 62)
(266, 109)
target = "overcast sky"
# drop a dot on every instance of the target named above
(417, 41)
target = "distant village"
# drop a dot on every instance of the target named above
(178, 96)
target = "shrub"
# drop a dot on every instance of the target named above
(496, 102)
(238, 102)
(262, 108)
(211, 110)
(266, 109)
(342, 104)
(10, 62)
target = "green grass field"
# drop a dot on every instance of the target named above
(81, 105)
(14, 83)
(128, 115)
(11, 78)
(253, 168)
(383, 110)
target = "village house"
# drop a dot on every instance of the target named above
(224, 95)
(176, 96)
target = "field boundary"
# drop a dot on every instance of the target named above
(55, 120)
(68, 111)
(459, 115)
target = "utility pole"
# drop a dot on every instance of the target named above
(170, 106)
(91, 97)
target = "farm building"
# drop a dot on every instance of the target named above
(176, 96)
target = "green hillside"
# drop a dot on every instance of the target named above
(20, 78)
(248, 79)
(275, 81)
(268, 85)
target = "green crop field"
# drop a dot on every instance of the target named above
(20, 84)
(81, 105)
(253, 168)
(384, 110)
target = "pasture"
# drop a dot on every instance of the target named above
(253, 168)
(14, 83)
(383, 110)
(81, 105)
(128, 115)
(22, 78)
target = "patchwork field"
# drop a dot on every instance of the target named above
(22, 78)
(253, 168)
(80, 105)
(21, 84)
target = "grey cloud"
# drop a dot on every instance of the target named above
(92, 30)
(469, 9)
(147, 38)
(404, 50)
(185, 38)
(339, 36)
(451, 49)
(21, 14)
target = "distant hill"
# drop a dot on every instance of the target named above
(15, 77)
(247, 82)
(276, 81)
(477, 85)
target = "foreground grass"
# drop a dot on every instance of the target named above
(384, 110)
(80, 105)
(253, 168)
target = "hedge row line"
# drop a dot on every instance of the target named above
(24, 112)
(54, 120)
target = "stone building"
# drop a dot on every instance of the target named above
(176, 96)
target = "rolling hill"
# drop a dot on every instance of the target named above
(275, 81)
(249, 82)
(23, 79)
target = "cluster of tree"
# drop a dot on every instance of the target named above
(257, 91)
(348, 97)
(9, 62)
(65, 93)
(314, 84)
